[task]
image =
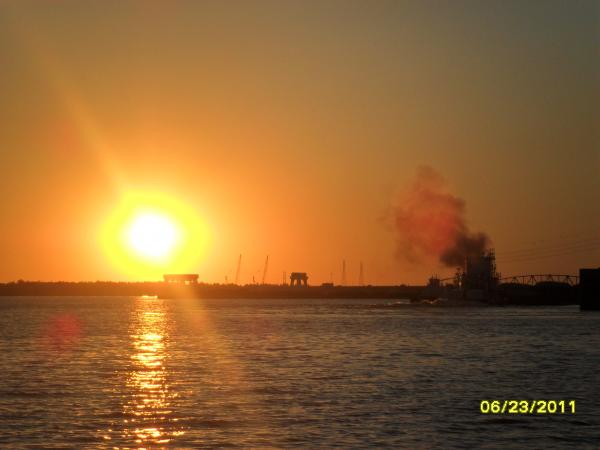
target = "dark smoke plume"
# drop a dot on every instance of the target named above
(430, 223)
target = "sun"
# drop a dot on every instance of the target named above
(152, 235)
(148, 234)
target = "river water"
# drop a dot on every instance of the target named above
(134, 372)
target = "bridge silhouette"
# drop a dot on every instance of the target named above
(533, 279)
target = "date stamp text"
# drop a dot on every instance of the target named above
(527, 406)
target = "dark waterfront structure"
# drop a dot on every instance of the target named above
(589, 289)
(298, 279)
(479, 284)
(182, 278)
(480, 279)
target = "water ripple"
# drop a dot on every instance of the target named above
(151, 373)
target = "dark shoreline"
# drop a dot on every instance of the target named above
(161, 289)
(541, 294)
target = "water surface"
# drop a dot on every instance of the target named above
(149, 373)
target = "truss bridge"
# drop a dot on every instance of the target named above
(532, 280)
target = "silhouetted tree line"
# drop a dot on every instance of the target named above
(84, 288)
(111, 288)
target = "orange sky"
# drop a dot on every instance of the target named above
(287, 129)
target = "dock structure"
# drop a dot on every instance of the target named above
(589, 289)
(298, 279)
(181, 278)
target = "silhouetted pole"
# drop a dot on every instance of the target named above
(343, 272)
(237, 272)
(264, 277)
(361, 279)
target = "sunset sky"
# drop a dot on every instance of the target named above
(289, 129)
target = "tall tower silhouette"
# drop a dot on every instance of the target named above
(361, 275)
(264, 276)
(343, 283)
(237, 272)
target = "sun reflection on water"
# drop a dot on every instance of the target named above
(147, 409)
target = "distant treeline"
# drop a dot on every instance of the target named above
(84, 288)
(165, 290)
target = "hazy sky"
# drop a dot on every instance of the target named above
(289, 128)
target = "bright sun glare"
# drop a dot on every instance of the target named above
(152, 235)
(147, 234)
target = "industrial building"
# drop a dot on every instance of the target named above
(589, 289)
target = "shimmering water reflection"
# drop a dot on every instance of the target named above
(147, 404)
